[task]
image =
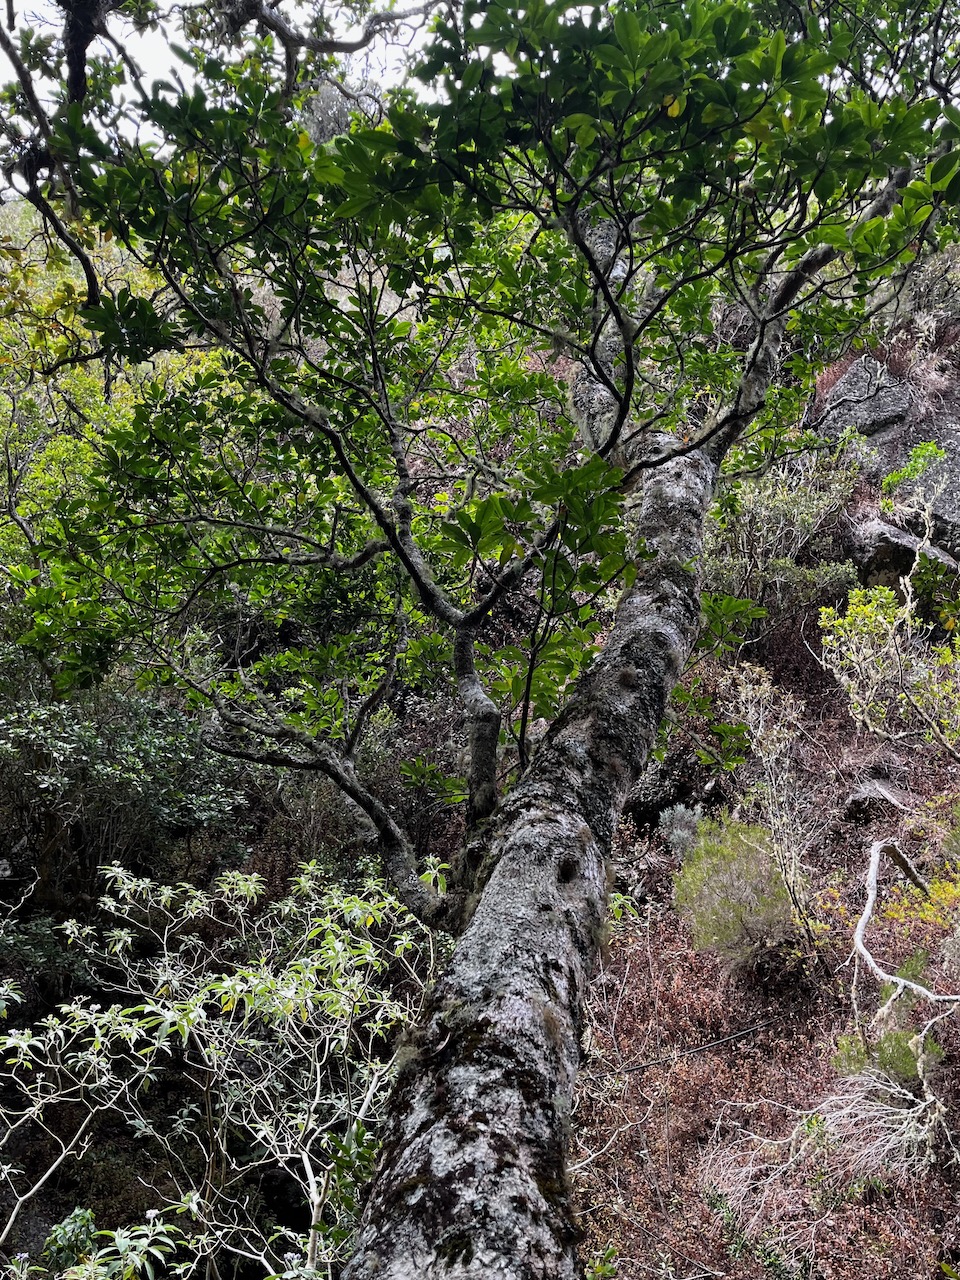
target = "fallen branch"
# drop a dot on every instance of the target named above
(900, 984)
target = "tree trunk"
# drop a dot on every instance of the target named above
(472, 1178)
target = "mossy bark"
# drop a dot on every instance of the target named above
(472, 1179)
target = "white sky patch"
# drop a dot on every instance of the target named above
(384, 63)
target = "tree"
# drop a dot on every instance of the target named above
(480, 363)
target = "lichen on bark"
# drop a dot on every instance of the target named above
(471, 1179)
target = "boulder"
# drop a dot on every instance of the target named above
(891, 415)
(869, 400)
(883, 553)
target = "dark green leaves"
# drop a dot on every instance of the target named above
(129, 326)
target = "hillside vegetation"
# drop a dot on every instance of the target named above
(479, 709)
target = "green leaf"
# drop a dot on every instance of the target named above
(627, 26)
(609, 55)
(353, 205)
(942, 168)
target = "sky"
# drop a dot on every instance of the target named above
(380, 64)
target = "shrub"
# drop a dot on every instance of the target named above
(250, 1045)
(871, 1128)
(900, 687)
(894, 1054)
(733, 895)
(770, 537)
(38, 958)
(678, 826)
(70, 1240)
(103, 775)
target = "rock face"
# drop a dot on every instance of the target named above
(884, 553)
(869, 400)
(891, 413)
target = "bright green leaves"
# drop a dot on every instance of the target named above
(698, 130)
(360, 158)
(951, 113)
(567, 521)
(316, 687)
(579, 506)
(232, 186)
(641, 52)
(731, 29)
(942, 170)
(586, 558)
(588, 502)
(726, 621)
(486, 529)
(944, 177)
(635, 81)
(700, 95)
(530, 679)
(407, 307)
(428, 778)
(72, 631)
(723, 744)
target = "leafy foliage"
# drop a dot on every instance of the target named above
(390, 404)
(388, 434)
(922, 457)
(104, 773)
(900, 685)
(894, 1053)
(769, 537)
(250, 1042)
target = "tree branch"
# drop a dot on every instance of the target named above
(483, 727)
(899, 984)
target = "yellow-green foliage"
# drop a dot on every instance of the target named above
(733, 895)
(869, 615)
(907, 904)
(899, 685)
(859, 647)
(894, 1047)
(895, 1053)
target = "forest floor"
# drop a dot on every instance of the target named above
(718, 1130)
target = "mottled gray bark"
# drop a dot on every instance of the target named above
(471, 1181)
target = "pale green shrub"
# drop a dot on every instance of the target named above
(895, 1053)
(769, 539)
(733, 895)
(678, 826)
(900, 687)
(246, 1039)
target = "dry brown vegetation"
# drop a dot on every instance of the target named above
(719, 1131)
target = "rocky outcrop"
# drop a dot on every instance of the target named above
(891, 414)
(884, 553)
(868, 399)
